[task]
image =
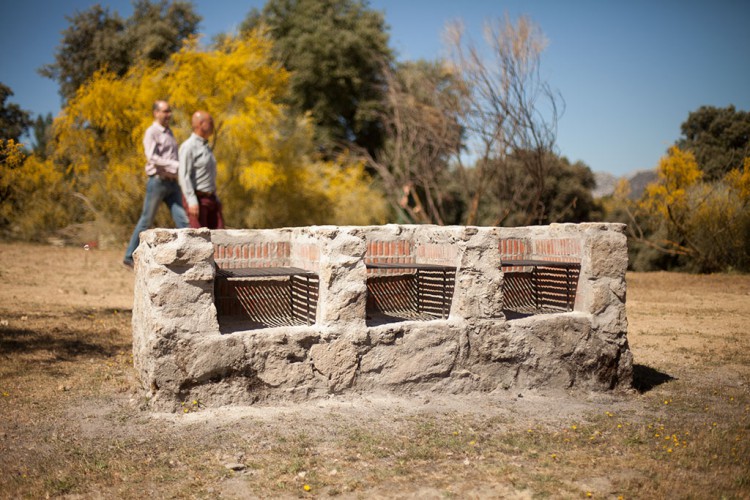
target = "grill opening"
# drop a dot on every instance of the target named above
(539, 287)
(253, 298)
(418, 292)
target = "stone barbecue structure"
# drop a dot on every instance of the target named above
(246, 316)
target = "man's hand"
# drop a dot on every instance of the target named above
(193, 210)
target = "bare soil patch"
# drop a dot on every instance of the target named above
(73, 423)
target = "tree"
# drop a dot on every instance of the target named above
(29, 186)
(423, 136)
(703, 224)
(97, 40)
(32, 194)
(621, 206)
(566, 198)
(14, 121)
(268, 172)
(509, 109)
(695, 216)
(11, 158)
(719, 138)
(42, 128)
(335, 51)
(155, 31)
(456, 131)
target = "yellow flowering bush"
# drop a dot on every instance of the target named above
(706, 223)
(33, 193)
(268, 172)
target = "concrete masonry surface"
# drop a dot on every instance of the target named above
(181, 354)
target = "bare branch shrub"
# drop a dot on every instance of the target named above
(508, 110)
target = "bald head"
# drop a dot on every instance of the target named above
(203, 124)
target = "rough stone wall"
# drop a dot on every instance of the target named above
(181, 354)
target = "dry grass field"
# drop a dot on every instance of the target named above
(74, 425)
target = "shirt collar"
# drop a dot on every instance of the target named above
(200, 139)
(162, 127)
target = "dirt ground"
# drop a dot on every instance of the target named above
(73, 423)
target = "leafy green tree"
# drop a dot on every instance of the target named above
(157, 30)
(42, 128)
(719, 138)
(93, 40)
(14, 121)
(336, 51)
(566, 196)
(96, 39)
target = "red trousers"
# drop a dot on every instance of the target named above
(209, 213)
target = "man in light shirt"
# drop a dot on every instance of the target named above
(160, 147)
(197, 175)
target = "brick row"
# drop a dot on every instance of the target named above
(264, 254)
(399, 248)
(437, 253)
(560, 249)
(513, 248)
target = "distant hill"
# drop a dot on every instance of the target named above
(606, 183)
(639, 181)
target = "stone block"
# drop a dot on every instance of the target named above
(338, 362)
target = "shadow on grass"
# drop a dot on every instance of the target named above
(646, 378)
(72, 336)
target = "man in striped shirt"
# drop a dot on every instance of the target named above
(160, 147)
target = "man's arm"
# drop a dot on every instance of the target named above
(185, 179)
(149, 143)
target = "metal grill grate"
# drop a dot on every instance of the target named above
(418, 292)
(547, 287)
(250, 298)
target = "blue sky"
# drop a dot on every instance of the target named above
(629, 71)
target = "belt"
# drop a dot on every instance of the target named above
(164, 178)
(204, 194)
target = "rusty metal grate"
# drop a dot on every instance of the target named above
(250, 298)
(539, 287)
(418, 292)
